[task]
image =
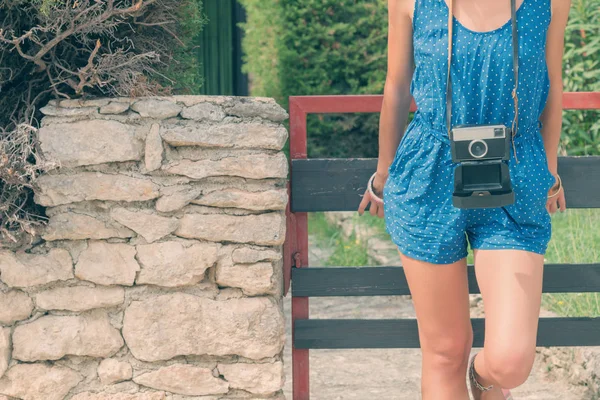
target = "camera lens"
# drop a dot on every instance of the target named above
(478, 148)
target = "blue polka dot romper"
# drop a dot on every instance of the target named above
(419, 214)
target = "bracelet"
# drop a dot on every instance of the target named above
(474, 380)
(370, 189)
(559, 187)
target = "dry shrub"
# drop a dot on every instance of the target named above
(78, 48)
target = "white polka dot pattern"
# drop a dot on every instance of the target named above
(419, 214)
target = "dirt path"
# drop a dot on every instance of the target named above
(385, 374)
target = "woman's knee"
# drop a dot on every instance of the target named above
(448, 351)
(509, 365)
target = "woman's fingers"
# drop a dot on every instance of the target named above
(363, 204)
(373, 208)
(562, 203)
(551, 205)
(556, 203)
(376, 209)
(380, 211)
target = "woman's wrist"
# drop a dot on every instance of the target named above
(556, 188)
(556, 179)
(553, 168)
(553, 164)
(384, 173)
(377, 197)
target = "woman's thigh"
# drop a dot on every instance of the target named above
(441, 299)
(511, 287)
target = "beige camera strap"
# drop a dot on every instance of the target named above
(515, 56)
(448, 79)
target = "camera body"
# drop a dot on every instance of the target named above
(480, 142)
(482, 179)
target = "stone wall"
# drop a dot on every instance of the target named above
(159, 275)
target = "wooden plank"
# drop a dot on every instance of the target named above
(355, 333)
(289, 244)
(300, 357)
(403, 333)
(391, 281)
(324, 104)
(571, 278)
(329, 184)
(581, 179)
(326, 184)
(368, 103)
(348, 281)
(581, 100)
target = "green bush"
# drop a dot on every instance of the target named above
(318, 47)
(581, 129)
(260, 56)
(182, 70)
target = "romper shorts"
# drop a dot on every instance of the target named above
(425, 225)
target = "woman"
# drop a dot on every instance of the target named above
(414, 178)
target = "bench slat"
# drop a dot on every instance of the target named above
(391, 281)
(324, 184)
(402, 333)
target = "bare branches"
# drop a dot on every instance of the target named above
(73, 48)
(17, 171)
(83, 18)
(88, 16)
(81, 45)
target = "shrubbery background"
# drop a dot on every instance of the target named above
(320, 47)
(316, 47)
(581, 129)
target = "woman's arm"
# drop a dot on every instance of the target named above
(552, 115)
(396, 94)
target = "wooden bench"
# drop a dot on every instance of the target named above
(337, 185)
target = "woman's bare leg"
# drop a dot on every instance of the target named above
(441, 299)
(511, 287)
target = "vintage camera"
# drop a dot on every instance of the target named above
(482, 179)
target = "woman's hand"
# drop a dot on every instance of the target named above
(375, 208)
(557, 202)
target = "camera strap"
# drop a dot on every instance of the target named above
(515, 56)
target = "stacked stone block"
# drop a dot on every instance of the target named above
(159, 273)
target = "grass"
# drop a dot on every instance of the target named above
(347, 251)
(575, 239)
